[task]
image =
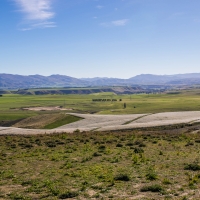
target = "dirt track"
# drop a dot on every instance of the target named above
(114, 122)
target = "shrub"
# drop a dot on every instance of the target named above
(138, 142)
(129, 144)
(189, 143)
(166, 182)
(68, 194)
(121, 177)
(50, 144)
(26, 145)
(138, 150)
(192, 167)
(152, 188)
(18, 197)
(151, 175)
(101, 148)
(142, 145)
(119, 145)
(95, 154)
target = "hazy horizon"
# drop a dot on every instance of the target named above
(99, 76)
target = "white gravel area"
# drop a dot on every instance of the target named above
(97, 121)
(171, 117)
(113, 122)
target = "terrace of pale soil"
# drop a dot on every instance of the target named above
(91, 122)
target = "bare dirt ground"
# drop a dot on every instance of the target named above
(38, 122)
(92, 122)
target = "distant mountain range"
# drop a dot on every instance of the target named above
(38, 81)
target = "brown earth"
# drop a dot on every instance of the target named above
(39, 121)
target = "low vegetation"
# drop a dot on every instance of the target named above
(144, 164)
(66, 119)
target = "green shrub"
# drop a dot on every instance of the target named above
(50, 144)
(152, 188)
(68, 194)
(18, 197)
(121, 177)
(192, 167)
(102, 147)
(166, 182)
(129, 144)
(77, 131)
(95, 154)
(190, 143)
(119, 145)
(138, 150)
(151, 175)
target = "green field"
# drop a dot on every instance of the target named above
(184, 100)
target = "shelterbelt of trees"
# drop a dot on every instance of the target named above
(106, 99)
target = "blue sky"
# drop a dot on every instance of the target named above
(99, 38)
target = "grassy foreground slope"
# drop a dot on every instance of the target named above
(139, 164)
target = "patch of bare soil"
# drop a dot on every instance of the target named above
(38, 121)
(46, 108)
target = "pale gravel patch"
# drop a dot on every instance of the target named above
(97, 121)
(44, 108)
(112, 122)
(171, 117)
(159, 119)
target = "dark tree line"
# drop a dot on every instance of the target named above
(104, 99)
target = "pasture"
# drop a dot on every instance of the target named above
(12, 105)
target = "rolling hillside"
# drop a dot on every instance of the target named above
(12, 81)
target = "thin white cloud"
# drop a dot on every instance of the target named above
(99, 7)
(121, 22)
(37, 13)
